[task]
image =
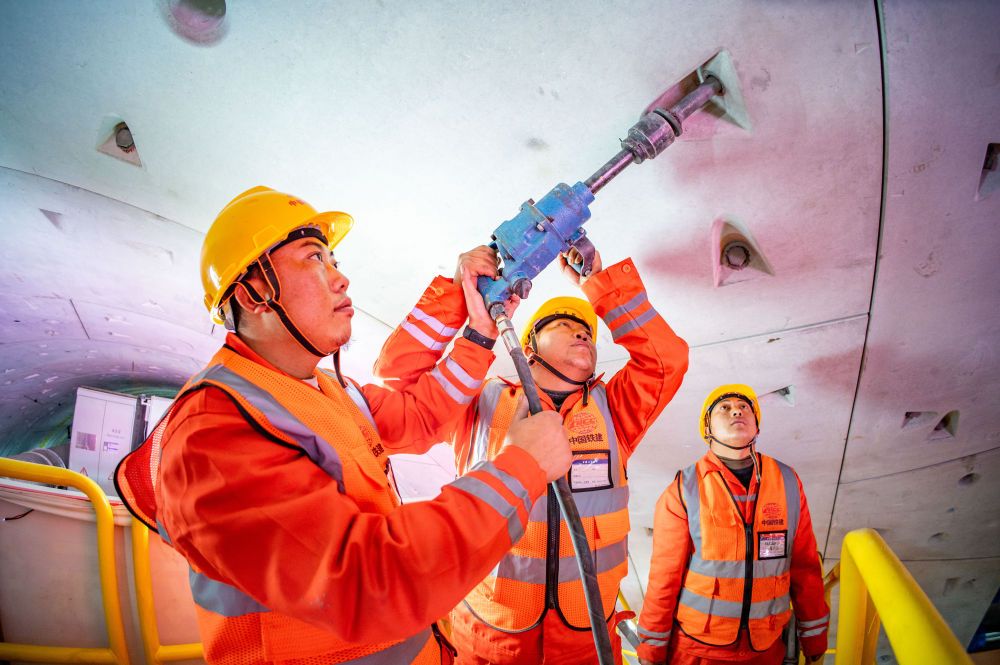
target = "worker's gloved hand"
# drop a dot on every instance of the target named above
(566, 261)
(480, 261)
(544, 437)
(643, 661)
(815, 659)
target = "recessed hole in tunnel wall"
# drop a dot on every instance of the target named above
(989, 181)
(913, 419)
(968, 479)
(736, 256)
(121, 145)
(784, 396)
(946, 428)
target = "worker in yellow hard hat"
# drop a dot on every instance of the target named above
(271, 476)
(720, 583)
(531, 608)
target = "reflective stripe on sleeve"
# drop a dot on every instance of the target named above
(433, 323)
(817, 622)
(813, 628)
(449, 387)
(813, 632)
(629, 326)
(423, 337)
(632, 322)
(485, 493)
(515, 486)
(628, 307)
(653, 638)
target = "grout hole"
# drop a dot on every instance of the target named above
(946, 428)
(968, 479)
(989, 181)
(120, 144)
(917, 418)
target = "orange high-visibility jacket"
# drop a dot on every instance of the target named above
(538, 575)
(727, 560)
(278, 496)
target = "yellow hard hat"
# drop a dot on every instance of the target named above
(740, 390)
(564, 306)
(249, 226)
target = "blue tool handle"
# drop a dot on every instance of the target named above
(532, 239)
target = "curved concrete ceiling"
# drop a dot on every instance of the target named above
(857, 163)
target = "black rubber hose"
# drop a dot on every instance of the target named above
(584, 558)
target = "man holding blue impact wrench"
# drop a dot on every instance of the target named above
(531, 609)
(535, 606)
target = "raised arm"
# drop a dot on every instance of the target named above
(658, 358)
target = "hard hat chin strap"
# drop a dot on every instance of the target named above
(533, 358)
(752, 445)
(274, 302)
(743, 447)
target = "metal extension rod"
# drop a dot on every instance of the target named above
(654, 133)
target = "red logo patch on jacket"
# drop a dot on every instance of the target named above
(772, 514)
(583, 423)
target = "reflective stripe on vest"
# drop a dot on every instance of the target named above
(319, 451)
(356, 396)
(719, 617)
(512, 598)
(226, 601)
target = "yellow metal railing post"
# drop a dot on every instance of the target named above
(625, 606)
(118, 652)
(156, 654)
(876, 589)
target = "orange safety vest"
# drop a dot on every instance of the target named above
(540, 572)
(235, 628)
(739, 573)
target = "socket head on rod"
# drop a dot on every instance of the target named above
(652, 135)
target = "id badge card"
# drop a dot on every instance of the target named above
(591, 470)
(772, 544)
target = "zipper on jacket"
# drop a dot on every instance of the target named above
(552, 528)
(748, 561)
(748, 577)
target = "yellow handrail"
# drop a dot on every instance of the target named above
(156, 653)
(874, 587)
(117, 652)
